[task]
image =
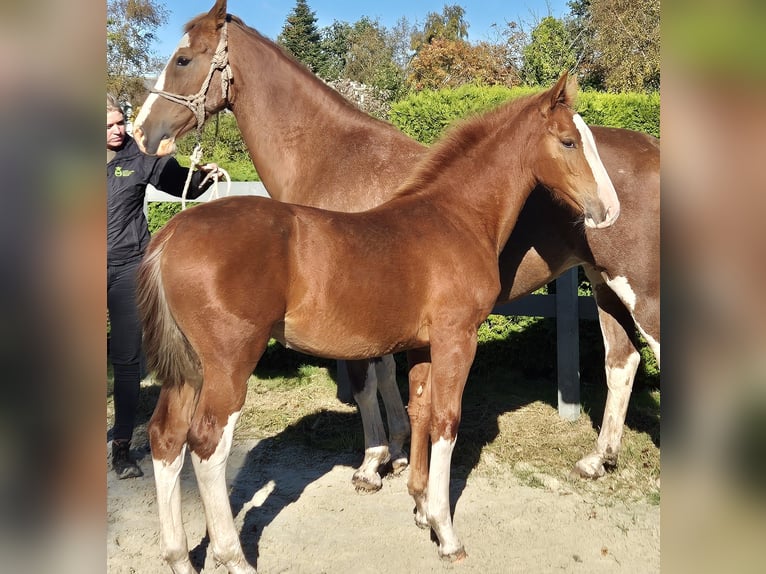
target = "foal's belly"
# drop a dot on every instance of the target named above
(338, 340)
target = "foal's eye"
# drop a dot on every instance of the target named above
(568, 143)
(182, 61)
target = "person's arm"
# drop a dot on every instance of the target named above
(170, 177)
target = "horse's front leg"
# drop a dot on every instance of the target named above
(452, 356)
(363, 379)
(420, 419)
(398, 421)
(167, 436)
(621, 364)
(210, 440)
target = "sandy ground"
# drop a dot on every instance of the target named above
(297, 512)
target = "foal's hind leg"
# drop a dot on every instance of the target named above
(363, 378)
(210, 439)
(398, 421)
(621, 363)
(167, 437)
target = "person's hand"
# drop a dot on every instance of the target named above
(211, 171)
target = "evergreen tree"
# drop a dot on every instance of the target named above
(301, 37)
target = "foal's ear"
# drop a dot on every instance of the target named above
(218, 12)
(563, 92)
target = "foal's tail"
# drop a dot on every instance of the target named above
(169, 355)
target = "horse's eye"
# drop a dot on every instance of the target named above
(182, 61)
(568, 143)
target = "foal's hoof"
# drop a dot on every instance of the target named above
(366, 484)
(591, 466)
(457, 556)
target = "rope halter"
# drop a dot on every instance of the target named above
(196, 102)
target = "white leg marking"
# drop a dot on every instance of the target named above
(175, 550)
(211, 480)
(376, 452)
(398, 421)
(606, 189)
(623, 290)
(438, 497)
(626, 294)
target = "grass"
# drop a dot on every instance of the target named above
(510, 422)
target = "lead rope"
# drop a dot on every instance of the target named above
(195, 159)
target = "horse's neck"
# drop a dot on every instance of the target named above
(300, 133)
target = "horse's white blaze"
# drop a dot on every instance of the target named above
(605, 187)
(184, 42)
(438, 496)
(147, 105)
(211, 480)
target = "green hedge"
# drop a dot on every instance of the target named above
(425, 114)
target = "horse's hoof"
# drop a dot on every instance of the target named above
(399, 465)
(590, 466)
(366, 484)
(457, 556)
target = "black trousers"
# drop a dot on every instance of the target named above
(125, 346)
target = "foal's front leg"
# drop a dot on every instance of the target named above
(420, 420)
(452, 356)
(167, 436)
(210, 440)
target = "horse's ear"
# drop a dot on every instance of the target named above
(218, 12)
(564, 92)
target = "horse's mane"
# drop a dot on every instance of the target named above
(280, 52)
(460, 138)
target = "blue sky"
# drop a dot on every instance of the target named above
(268, 16)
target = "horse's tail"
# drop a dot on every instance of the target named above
(169, 355)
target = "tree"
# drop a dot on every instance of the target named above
(590, 70)
(364, 52)
(451, 63)
(371, 57)
(548, 53)
(130, 32)
(334, 43)
(301, 37)
(626, 37)
(449, 25)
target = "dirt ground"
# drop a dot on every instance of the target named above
(297, 512)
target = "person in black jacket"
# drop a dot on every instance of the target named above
(128, 171)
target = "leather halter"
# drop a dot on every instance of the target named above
(196, 102)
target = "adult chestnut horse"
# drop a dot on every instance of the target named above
(220, 279)
(311, 147)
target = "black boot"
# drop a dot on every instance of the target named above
(122, 463)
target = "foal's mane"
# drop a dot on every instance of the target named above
(461, 138)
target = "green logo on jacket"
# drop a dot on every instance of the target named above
(119, 172)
